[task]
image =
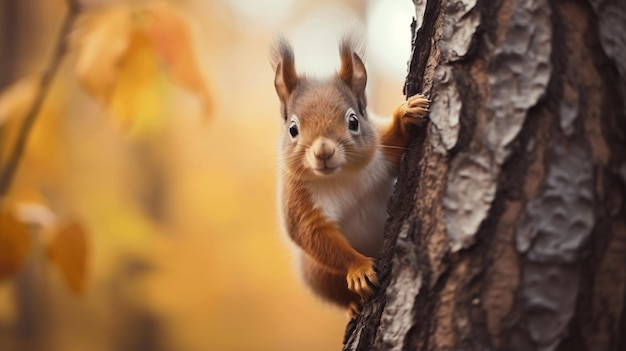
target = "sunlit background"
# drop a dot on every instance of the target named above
(176, 199)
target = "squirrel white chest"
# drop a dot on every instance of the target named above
(357, 202)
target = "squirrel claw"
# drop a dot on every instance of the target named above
(415, 109)
(360, 277)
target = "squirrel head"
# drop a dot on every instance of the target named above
(325, 129)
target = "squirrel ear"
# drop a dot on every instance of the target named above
(286, 78)
(353, 72)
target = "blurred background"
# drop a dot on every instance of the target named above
(143, 215)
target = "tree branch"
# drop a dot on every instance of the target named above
(7, 175)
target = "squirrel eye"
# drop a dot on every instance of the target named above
(353, 122)
(293, 129)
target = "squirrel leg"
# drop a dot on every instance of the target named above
(323, 241)
(329, 285)
(393, 136)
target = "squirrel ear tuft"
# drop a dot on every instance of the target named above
(352, 70)
(283, 62)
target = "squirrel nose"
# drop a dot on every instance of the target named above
(323, 148)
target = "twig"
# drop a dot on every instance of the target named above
(6, 176)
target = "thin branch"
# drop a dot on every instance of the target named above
(7, 176)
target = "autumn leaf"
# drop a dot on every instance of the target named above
(124, 52)
(45, 159)
(103, 42)
(68, 251)
(169, 33)
(140, 94)
(14, 245)
(17, 98)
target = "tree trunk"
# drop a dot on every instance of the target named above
(507, 228)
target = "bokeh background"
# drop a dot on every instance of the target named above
(171, 185)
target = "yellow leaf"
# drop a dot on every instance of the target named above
(44, 165)
(16, 99)
(117, 61)
(102, 44)
(168, 30)
(68, 251)
(14, 245)
(140, 98)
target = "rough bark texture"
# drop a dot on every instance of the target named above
(507, 229)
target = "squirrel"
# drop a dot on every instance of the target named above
(337, 169)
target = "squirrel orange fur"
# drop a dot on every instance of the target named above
(337, 168)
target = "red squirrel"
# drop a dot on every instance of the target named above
(337, 168)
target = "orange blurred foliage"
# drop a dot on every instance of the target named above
(14, 245)
(68, 251)
(123, 52)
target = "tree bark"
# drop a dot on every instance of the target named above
(507, 229)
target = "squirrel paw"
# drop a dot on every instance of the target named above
(414, 110)
(360, 276)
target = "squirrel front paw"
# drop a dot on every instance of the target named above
(360, 275)
(414, 110)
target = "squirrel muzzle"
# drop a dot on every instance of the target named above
(324, 156)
